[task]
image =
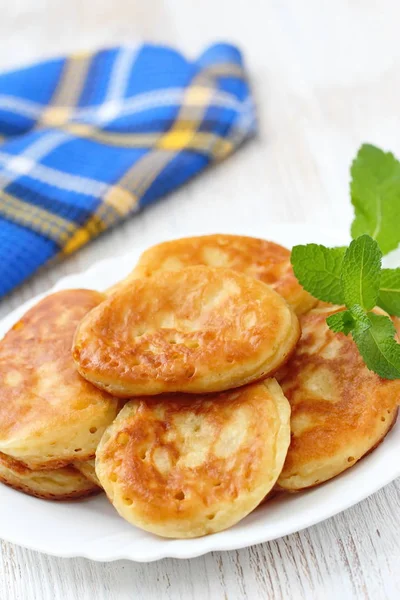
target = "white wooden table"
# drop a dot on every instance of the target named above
(326, 76)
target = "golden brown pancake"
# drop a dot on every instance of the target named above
(49, 415)
(87, 468)
(197, 330)
(263, 260)
(340, 409)
(59, 484)
(183, 467)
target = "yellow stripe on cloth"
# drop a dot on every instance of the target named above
(79, 239)
(210, 143)
(92, 228)
(38, 219)
(120, 199)
(226, 70)
(184, 138)
(141, 175)
(194, 104)
(183, 135)
(68, 91)
(127, 140)
(164, 147)
(123, 197)
(116, 204)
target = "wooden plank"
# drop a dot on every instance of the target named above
(326, 77)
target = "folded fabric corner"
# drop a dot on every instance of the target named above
(89, 139)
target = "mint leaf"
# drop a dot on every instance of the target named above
(361, 272)
(318, 270)
(361, 320)
(389, 293)
(375, 195)
(374, 336)
(347, 320)
(341, 322)
(377, 346)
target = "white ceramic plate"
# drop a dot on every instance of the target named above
(91, 528)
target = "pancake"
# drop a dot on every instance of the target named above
(197, 330)
(59, 484)
(87, 468)
(263, 260)
(183, 467)
(49, 415)
(340, 409)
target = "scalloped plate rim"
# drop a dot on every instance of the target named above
(248, 533)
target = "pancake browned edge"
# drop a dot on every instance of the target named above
(183, 467)
(340, 409)
(59, 484)
(197, 330)
(257, 258)
(87, 468)
(49, 415)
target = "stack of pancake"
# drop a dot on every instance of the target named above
(191, 384)
(51, 419)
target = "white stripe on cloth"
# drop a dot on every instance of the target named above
(44, 144)
(127, 107)
(16, 165)
(158, 99)
(120, 73)
(27, 162)
(245, 125)
(26, 108)
(119, 77)
(13, 167)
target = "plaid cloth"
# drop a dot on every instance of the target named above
(89, 139)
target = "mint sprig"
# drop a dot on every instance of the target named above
(389, 293)
(353, 276)
(341, 322)
(318, 269)
(375, 195)
(377, 346)
(360, 274)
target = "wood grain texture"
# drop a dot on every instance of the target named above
(326, 77)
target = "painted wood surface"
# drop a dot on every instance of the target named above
(326, 77)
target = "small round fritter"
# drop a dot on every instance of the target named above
(49, 414)
(183, 467)
(263, 260)
(59, 484)
(340, 409)
(87, 468)
(197, 330)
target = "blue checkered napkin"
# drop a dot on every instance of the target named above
(89, 139)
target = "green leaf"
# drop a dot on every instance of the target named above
(361, 272)
(375, 195)
(318, 270)
(377, 346)
(341, 322)
(361, 320)
(389, 293)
